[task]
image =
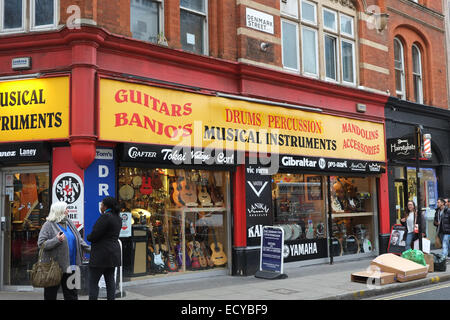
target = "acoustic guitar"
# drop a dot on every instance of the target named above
(188, 193)
(207, 255)
(175, 196)
(156, 180)
(218, 256)
(216, 195)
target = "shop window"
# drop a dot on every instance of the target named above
(353, 215)
(184, 215)
(146, 19)
(428, 187)
(299, 206)
(193, 26)
(28, 197)
(43, 15)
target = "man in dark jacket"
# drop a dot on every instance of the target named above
(440, 210)
(445, 226)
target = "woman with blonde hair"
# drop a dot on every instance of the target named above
(62, 242)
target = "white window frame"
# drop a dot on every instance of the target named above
(337, 61)
(160, 19)
(2, 22)
(315, 12)
(353, 61)
(401, 93)
(325, 28)
(297, 44)
(285, 6)
(353, 25)
(33, 27)
(205, 24)
(420, 98)
(315, 75)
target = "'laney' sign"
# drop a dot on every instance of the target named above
(34, 109)
(401, 148)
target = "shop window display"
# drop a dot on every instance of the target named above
(184, 213)
(28, 194)
(352, 215)
(299, 206)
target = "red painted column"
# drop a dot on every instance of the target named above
(83, 135)
(239, 216)
(383, 204)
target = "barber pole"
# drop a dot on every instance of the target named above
(427, 145)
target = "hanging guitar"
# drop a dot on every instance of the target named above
(214, 191)
(156, 180)
(170, 261)
(188, 193)
(157, 263)
(175, 194)
(146, 186)
(203, 195)
(218, 256)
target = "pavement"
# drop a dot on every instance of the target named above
(314, 282)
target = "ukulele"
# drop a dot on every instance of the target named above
(146, 186)
(157, 263)
(218, 256)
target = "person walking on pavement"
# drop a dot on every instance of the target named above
(62, 242)
(105, 253)
(440, 210)
(445, 227)
(414, 223)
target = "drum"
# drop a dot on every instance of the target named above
(367, 245)
(351, 245)
(336, 247)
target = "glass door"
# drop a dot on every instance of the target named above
(24, 209)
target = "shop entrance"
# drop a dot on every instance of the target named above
(400, 187)
(24, 208)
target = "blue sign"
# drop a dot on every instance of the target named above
(272, 243)
(99, 182)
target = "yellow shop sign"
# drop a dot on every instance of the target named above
(143, 114)
(34, 109)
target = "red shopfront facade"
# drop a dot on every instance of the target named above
(126, 100)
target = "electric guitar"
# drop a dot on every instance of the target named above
(170, 262)
(218, 256)
(146, 186)
(157, 263)
(179, 251)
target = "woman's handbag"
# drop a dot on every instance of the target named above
(437, 242)
(45, 274)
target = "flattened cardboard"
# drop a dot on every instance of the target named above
(381, 278)
(429, 259)
(403, 268)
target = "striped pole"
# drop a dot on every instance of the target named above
(427, 145)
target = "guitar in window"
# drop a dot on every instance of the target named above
(157, 263)
(218, 256)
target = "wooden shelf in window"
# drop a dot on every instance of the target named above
(351, 214)
(198, 209)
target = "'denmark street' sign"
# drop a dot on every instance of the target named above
(35, 109)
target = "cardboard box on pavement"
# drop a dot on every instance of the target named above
(404, 269)
(380, 278)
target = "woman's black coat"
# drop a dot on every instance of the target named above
(105, 248)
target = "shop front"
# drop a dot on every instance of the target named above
(403, 119)
(34, 114)
(199, 175)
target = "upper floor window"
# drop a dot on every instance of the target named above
(43, 14)
(146, 19)
(193, 26)
(417, 74)
(399, 66)
(323, 39)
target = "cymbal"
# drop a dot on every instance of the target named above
(137, 212)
